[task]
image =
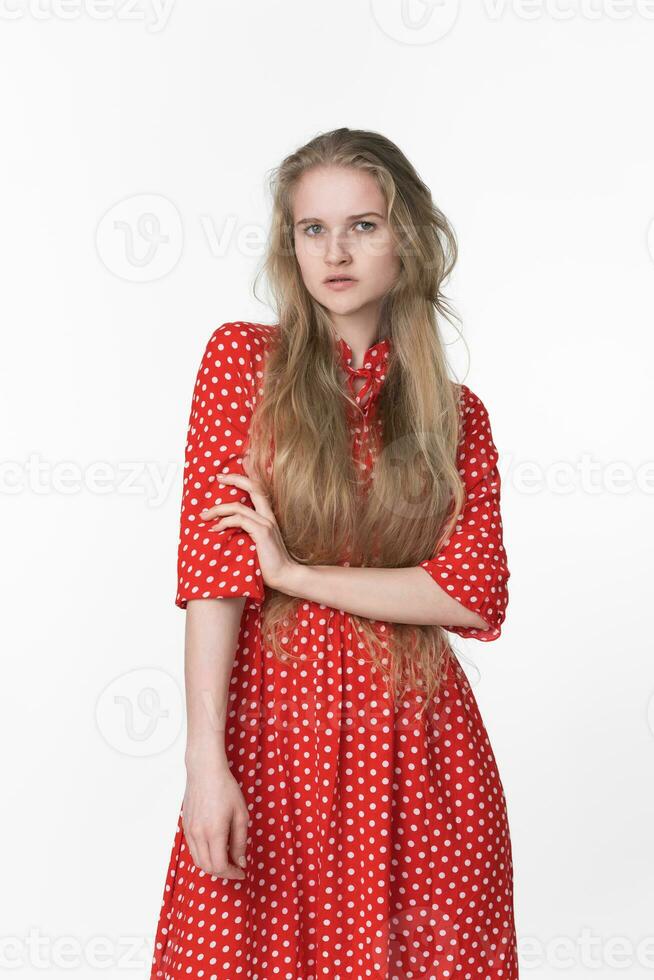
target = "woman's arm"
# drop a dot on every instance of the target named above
(397, 595)
(216, 574)
(215, 814)
(210, 567)
(468, 591)
(463, 586)
(211, 636)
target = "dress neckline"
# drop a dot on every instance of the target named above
(373, 370)
(374, 357)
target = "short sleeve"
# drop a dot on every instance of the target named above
(213, 565)
(471, 564)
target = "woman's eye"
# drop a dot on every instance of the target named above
(370, 226)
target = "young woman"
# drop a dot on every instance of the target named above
(343, 814)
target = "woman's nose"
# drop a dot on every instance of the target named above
(337, 248)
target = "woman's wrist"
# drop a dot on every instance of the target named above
(206, 752)
(295, 579)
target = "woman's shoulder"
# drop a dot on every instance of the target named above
(239, 348)
(471, 404)
(233, 362)
(243, 336)
(476, 445)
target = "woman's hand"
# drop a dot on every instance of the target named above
(274, 560)
(215, 820)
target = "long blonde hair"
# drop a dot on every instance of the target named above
(310, 477)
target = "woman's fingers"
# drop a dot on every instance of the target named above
(260, 523)
(220, 863)
(238, 838)
(209, 853)
(199, 851)
(239, 515)
(259, 498)
(215, 821)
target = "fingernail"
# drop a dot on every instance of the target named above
(242, 860)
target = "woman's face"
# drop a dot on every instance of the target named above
(340, 229)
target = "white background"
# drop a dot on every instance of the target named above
(532, 125)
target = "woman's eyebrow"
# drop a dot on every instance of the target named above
(351, 217)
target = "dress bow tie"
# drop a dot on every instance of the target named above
(373, 371)
(363, 372)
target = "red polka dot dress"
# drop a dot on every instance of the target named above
(378, 844)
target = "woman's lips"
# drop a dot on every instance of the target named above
(340, 284)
